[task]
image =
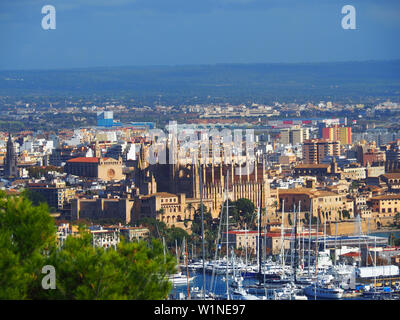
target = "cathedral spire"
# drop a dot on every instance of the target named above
(10, 168)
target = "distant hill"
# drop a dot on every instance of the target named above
(341, 81)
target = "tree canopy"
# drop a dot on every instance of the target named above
(135, 270)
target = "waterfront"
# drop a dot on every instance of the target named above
(219, 288)
(386, 233)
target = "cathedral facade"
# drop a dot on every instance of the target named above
(211, 181)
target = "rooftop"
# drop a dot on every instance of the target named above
(312, 166)
(84, 160)
(387, 197)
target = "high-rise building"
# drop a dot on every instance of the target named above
(342, 134)
(294, 135)
(315, 150)
(105, 118)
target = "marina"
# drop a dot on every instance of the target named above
(307, 270)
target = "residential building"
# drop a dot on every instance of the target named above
(315, 150)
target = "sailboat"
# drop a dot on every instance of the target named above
(178, 278)
(322, 288)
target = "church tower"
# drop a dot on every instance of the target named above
(10, 168)
(97, 150)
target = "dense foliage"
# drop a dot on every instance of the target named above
(28, 243)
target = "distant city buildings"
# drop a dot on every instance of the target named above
(315, 150)
(328, 168)
(105, 118)
(294, 135)
(336, 133)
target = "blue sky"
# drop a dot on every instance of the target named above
(170, 32)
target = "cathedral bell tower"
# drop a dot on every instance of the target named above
(10, 168)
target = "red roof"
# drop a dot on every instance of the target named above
(351, 254)
(84, 159)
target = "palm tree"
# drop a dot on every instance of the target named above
(189, 207)
(275, 205)
(397, 219)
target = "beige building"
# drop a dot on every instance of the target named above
(287, 159)
(102, 209)
(240, 239)
(131, 233)
(386, 205)
(328, 205)
(392, 180)
(375, 171)
(107, 169)
(354, 172)
(173, 210)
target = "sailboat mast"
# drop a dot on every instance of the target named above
(187, 272)
(282, 238)
(335, 239)
(176, 252)
(316, 246)
(265, 238)
(298, 230)
(325, 232)
(163, 239)
(316, 258)
(374, 263)
(245, 235)
(259, 241)
(227, 243)
(202, 230)
(295, 242)
(309, 237)
(292, 242)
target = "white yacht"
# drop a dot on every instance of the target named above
(323, 291)
(239, 293)
(178, 279)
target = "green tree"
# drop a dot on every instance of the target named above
(210, 230)
(133, 271)
(289, 219)
(35, 197)
(27, 232)
(177, 234)
(158, 229)
(136, 270)
(397, 219)
(346, 214)
(306, 217)
(247, 212)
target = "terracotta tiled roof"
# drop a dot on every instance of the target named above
(392, 175)
(387, 197)
(312, 166)
(84, 159)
